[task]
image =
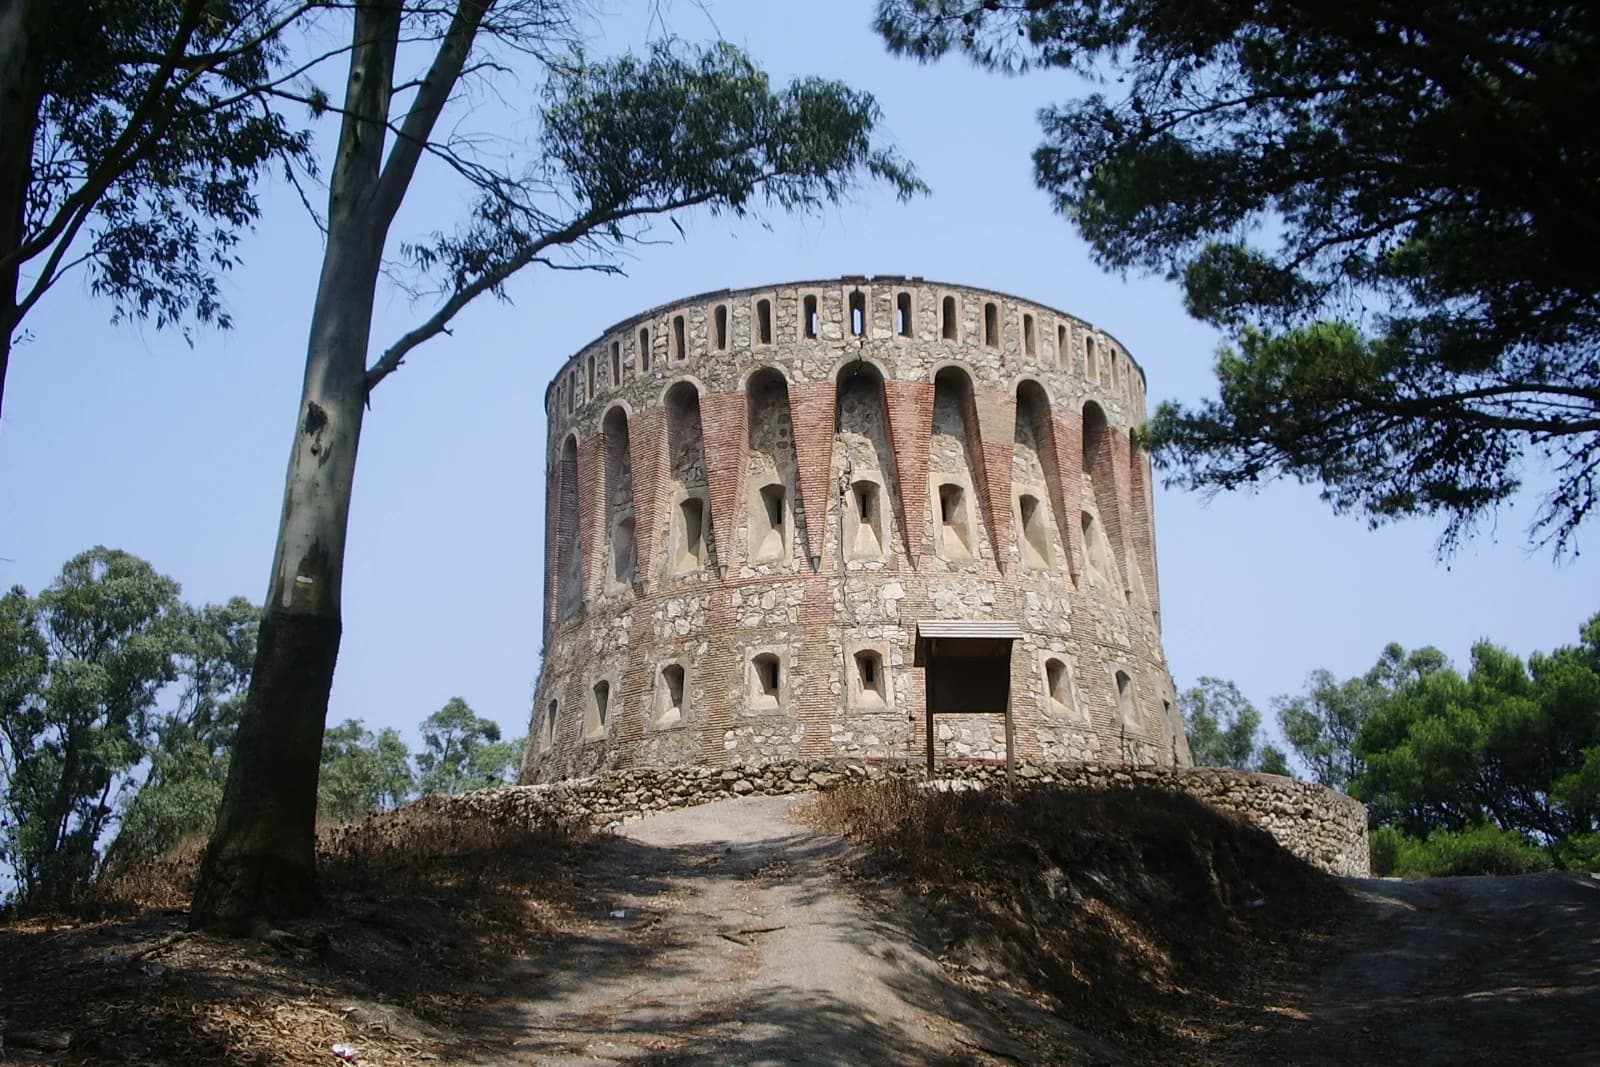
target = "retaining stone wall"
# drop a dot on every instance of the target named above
(1325, 828)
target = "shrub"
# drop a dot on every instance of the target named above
(1482, 849)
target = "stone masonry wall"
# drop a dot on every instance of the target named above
(757, 496)
(1322, 827)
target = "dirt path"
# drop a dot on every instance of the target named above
(1449, 971)
(729, 939)
(727, 934)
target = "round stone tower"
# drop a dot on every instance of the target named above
(776, 518)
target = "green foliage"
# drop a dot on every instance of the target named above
(1323, 723)
(1224, 729)
(362, 771)
(1389, 206)
(632, 137)
(1459, 772)
(1477, 849)
(144, 130)
(84, 662)
(461, 752)
(182, 790)
(1514, 744)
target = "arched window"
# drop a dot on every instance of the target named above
(902, 314)
(858, 313)
(766, 680)
(947, 318)
(764, 322)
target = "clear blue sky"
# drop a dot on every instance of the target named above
(126, 437)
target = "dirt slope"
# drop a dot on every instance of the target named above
(1447, 971)
(728, 938)
(733, 934)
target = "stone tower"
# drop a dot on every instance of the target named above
(756, 500)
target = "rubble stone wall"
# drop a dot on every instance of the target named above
(1323, 827)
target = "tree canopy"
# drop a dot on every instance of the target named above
(132, 133)
(1389, 205)
(1224, 729)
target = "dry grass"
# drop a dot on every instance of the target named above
(1139, 915)
(422, 908)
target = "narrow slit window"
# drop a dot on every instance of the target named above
(1057, 684)
(1035, 536)
(588, 380)
(769, 540)
(616, 362)
(1030, 339)
(858, 313)
(599, 708)
(902, 314)
(644, 349)
(865, 540)
(622, 551)
(953, 521)
(764, 321)
(670, 699)
(1126, 706)
(1061, 346)
(720, 320)
(870, 682)
(766, 681)
(991, 325)
(947, 318)
(810, 316)
(1090, 370)
(550, 726)
(691, 534)
(679, 349)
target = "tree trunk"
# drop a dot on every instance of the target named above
(20, 87)
(260, 863)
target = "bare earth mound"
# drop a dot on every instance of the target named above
(891, 925)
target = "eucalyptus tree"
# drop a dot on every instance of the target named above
(1389, 205)
(132, 133)
(619, 142)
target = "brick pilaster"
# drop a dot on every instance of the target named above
(811, 411)
(647, 443)
(594, 514)
(910, 410)
(1067, 431)
(724, 438)
(997, 425)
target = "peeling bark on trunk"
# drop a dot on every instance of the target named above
(20, 88)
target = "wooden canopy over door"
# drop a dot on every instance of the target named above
(967, 665)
